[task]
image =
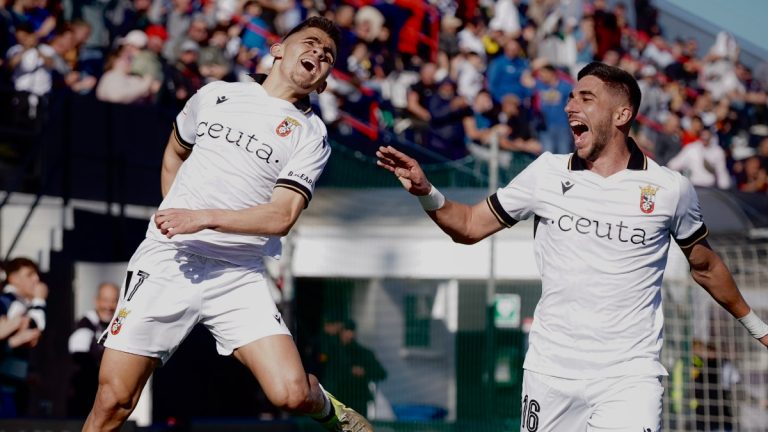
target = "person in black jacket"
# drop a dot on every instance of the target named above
(350, 372)
(86, 352)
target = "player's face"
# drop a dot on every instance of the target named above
(590, 110)
(306, 58)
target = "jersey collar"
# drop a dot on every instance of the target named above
(637, 159)
(302, 104)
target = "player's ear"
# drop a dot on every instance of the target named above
(321, 87)
(622, 115)
(276, 50)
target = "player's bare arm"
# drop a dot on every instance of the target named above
(274, 218)
(175, 154)
(709, 271)
(464, 224)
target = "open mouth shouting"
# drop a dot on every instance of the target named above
(310, 65)
(580, 131)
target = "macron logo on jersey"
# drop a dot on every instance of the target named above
(221, 99)
(566, 185)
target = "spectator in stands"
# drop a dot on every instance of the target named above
(469, 70)
(419, 95)
(449, 39)
(471, 37)
(35, 13)
(86, 351)
(481, 125)
(506, 18)
(214, 62)
(255, 29)
(24, 295)
(177, 22)
(586, 46)
(93, 51)
(667, 143)
(446, 132)
(551, 95)
(607, 31)
(120, 85)
(703, 162)
(655, 101)
(186, 74)
(693, 131)
(134, 15)
(353, 369)
(62, 43)
(750, 172)
(505, 72)
(520, 137)
(31, 63)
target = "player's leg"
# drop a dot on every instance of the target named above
(239, 311)
(121, 378)
(275, 362)
(158, 308)
(626, 404)
(551, 404)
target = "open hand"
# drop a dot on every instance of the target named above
(181, 221)
(407, 170)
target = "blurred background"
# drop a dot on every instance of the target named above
(417, 332)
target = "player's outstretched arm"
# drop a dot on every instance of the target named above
(709, 271)
(464, 224)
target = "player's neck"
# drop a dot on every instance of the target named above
(279, 88)
(613, 158)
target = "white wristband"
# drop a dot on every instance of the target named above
(432, 201)
(756, 327)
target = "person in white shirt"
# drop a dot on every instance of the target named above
(239, 168)
(603, 217)
(703, 162)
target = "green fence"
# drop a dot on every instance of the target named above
(449, 362)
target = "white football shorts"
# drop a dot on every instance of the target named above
(167, 291)
(616, 404)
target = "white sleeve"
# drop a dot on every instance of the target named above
(687, 223)
(303, 170)
(185, 124)
(516, 201)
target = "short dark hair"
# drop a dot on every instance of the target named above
(17, 264)
(321, 23)
(617, 79)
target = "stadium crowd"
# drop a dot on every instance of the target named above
(447, 75)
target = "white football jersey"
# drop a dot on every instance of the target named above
(245, 143)
(601, 247)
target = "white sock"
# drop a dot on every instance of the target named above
(326, 411)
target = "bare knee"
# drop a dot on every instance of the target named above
(114, 399)
(292, 394)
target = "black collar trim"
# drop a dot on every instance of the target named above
(637, 159)
(302, 104)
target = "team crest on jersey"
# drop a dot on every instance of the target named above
(117, 324)
(647, 198)
(287, 126)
